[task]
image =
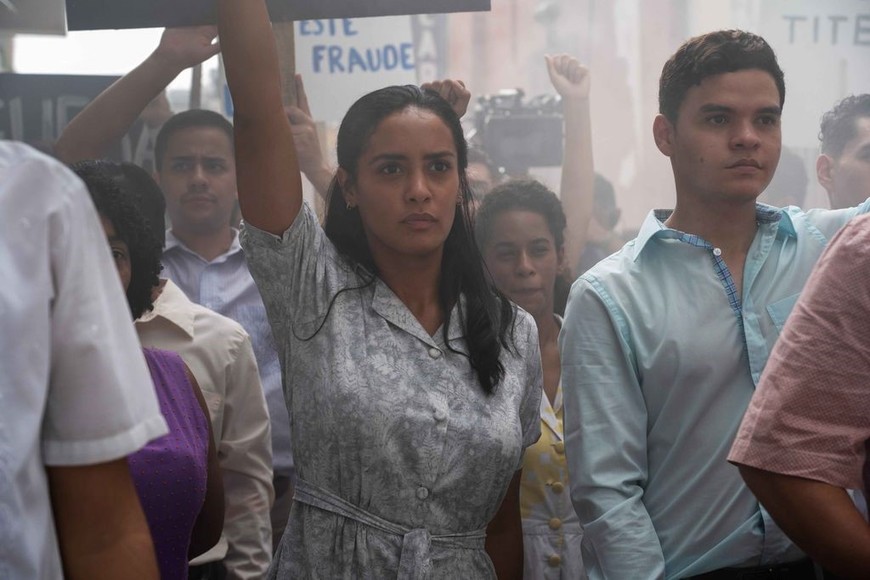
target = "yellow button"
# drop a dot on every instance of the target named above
(554, 560)
(558, 487)
(559, 446)
(555, 524)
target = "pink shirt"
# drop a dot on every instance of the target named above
(810, 416)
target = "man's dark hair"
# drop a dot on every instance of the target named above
(838, 124)
(121, 209)
(185, 120)
(712, 54)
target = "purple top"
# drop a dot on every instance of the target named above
(170, 473)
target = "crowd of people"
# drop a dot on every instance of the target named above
(450, 374)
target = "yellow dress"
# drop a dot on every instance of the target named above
(551, 530)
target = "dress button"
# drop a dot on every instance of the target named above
(555, 524)
(434, 352)
(555, 561)
(558, 487)
(559, 446)
(717, 252)
(440, 415)
(422, 493)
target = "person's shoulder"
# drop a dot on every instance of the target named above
(217, 324)
(16, 153)
(851, 244)
(622, 264)
(28, 177)
(524, 323)
(822, 223)
(304, 224)
(208, 326)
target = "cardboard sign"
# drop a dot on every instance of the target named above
(33, 16)
(342, 59)
(99, 14)
(430, 45)
(36, 108)
(824, 50)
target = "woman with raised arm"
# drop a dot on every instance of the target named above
(525, 236)
(412, 385)
(521, 228)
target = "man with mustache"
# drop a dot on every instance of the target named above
(664, 342)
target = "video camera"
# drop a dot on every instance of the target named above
(519, 133)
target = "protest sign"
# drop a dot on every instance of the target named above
(32, 16)
(99, 14)
(36, 108)
(823, 48)
(342, 59)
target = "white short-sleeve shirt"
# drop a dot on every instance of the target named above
(74, 386)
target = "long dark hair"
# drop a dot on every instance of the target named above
(487, 317)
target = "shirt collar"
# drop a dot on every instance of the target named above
(174, 307)
(391, 308)
(173, 242)
(654, 227)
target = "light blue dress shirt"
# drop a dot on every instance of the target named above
(660, 357)
(225, 285)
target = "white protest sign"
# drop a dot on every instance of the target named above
(33, 16)
(824, 50)
(342, 59)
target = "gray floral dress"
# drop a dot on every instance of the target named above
(402, 459)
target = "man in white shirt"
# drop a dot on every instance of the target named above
(75, 394)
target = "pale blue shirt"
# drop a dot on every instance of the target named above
(660, 358)
(225, 285)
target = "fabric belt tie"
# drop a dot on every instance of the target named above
(415, 559)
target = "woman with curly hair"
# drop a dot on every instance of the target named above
(176, 476)
(521, 230)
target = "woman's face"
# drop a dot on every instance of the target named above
(523, 259)
(120, 252)
(406, 187)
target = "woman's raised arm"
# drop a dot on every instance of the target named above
(267, 171)
(572, 81)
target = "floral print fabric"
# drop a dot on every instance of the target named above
(385, 416)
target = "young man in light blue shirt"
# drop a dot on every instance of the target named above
(664, 342)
